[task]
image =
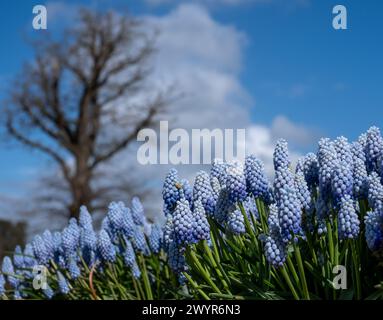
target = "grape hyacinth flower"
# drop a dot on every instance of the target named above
(170, 191)
(115, 216)
(375, 192)
(275, 250)
(283, 179)
(176, 258)
(62, 283)
(327, 159)
(322, 212)
(236, 183)
(274, 246)
(256, 180)
(289, 214)
(18, 258)
(127, 224)
(374, 230)
(216, 188)
(343, 150)
(88, 243)
(129, 255)
(357, 152)
(130, 260)
(58, 251)
(203, 191)
(139, 242)
(56, 242)
(373, 149)
(362, 140)
(85, 220)
(9, 271)
(236, 222)
(281, 155)
(187, 191)
(250, 208)
(200, 225)
(168, 232)
(105, 248)
(218, 170)
(360, 180)
(183, 222)
(348, 221)
(106, 225)
(155, 238)
(299, 167)
(74, 269)
(311, 170)
(48, 242)
(273, 220)
(147, 227)
(360, 176)
(302, 190)
(40, 251)
(70, 238)
(2, 285)
(62, 261)
(29, 256)
(136, 271)
(341, 182)
(48, 292)
(138, 211)
(380, 166)
(223, 207)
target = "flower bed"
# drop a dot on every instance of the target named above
(316, 232)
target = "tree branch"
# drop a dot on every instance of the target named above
(153, 110)
(38, 145)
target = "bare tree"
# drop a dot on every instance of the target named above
(77, 101)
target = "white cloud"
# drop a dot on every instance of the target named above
(59, 12)
(190, 38)
(291, 4)
(261, 142)
(208, 2)
(297, 90)
(203, 58)
(300, 135)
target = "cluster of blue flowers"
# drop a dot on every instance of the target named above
(186, 212)
(220, 195)
(329, 184)
(324, 186)
(125, 232)
(323, 189)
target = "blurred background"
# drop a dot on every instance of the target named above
(74, 96)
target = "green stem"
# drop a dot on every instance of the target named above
(215, 266)
(138, 294)
(355, 260)
(204, 273)
(262, 214)
(330, 242)
(292, 270)
(301, 272)
(248, 227)
(145, 277)
(289, 283)
(196, 287)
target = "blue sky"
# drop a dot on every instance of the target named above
(293, 63)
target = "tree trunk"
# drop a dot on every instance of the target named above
(80, 187)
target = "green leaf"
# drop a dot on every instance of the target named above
(346, 294)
